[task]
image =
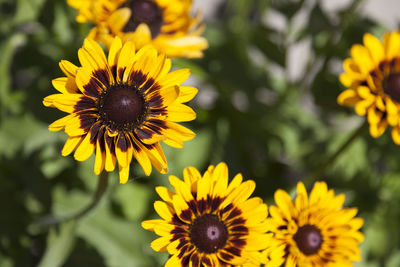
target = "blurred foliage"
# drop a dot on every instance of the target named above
(274, 126)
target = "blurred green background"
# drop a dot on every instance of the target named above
(273, 127)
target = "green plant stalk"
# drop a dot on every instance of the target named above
(331, 160)
(100, 190)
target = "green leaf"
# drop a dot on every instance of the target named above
(28, 10)
(59, 245)
(8, 47)
(261, 38)
(12, 138)
(130, 193)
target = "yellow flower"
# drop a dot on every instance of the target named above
(373, 77)
(208, 222)
(122, 107)
(315, 231)
(165, 24)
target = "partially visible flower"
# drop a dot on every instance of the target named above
(122, 107)
(165, 24)
(373, 77)
(208, 222)
(314, 230)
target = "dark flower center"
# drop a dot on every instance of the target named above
(122, 107)
(144, 11)
(208, 233)
(308, 239)
(391, 86)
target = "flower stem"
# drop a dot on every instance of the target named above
(331, 160)
(100, 190)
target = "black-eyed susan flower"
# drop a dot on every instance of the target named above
(208, 222)
(122, 107)
(167, 25)
(314, 230)
(373, 77)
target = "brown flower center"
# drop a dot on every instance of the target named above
(308, 239)
(144, 11)
(208, 233)
(122, 107)
(391, 86)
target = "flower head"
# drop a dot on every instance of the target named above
(122, 107)
(314, 230)
(208, 222)
(373, 77)
(167, 25)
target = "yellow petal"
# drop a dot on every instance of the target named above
(118, 19)
(236, 181)
(241, 193)
(139, 152)
(157, 157)
(186, 93)
(301, 201)
(377, 130)
(160, 244)
(146, 62)
(96, 52)
(374, 116)
(175, 134)
(123, 173)
(391, 107)
(391, 43)
(346, 79)
(362, 106)
(150, 224)
(65, 102)
(163, 97)
(165, 193)
(174, 78)
(71, 144)
(362, 58)
(141, 36)
(364, 92)
(123, 150)
(84, 150)
(180, 112)
(163, 210)
(375, 47)
(285, 204)
(182, 209)
(125, 61)
(318, 192)
(110, 157)
(68, 68)
(114, 52)
(60, 123)
(396, 135)
(173, 261)
(258, 241)
(181, 188)
(348, 97)
(65, 85)
(100, 159)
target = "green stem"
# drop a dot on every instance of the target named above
(331, 160)
(100, 190)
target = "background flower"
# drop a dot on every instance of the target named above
(372, 73)
(167, 25)
(315, 230)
